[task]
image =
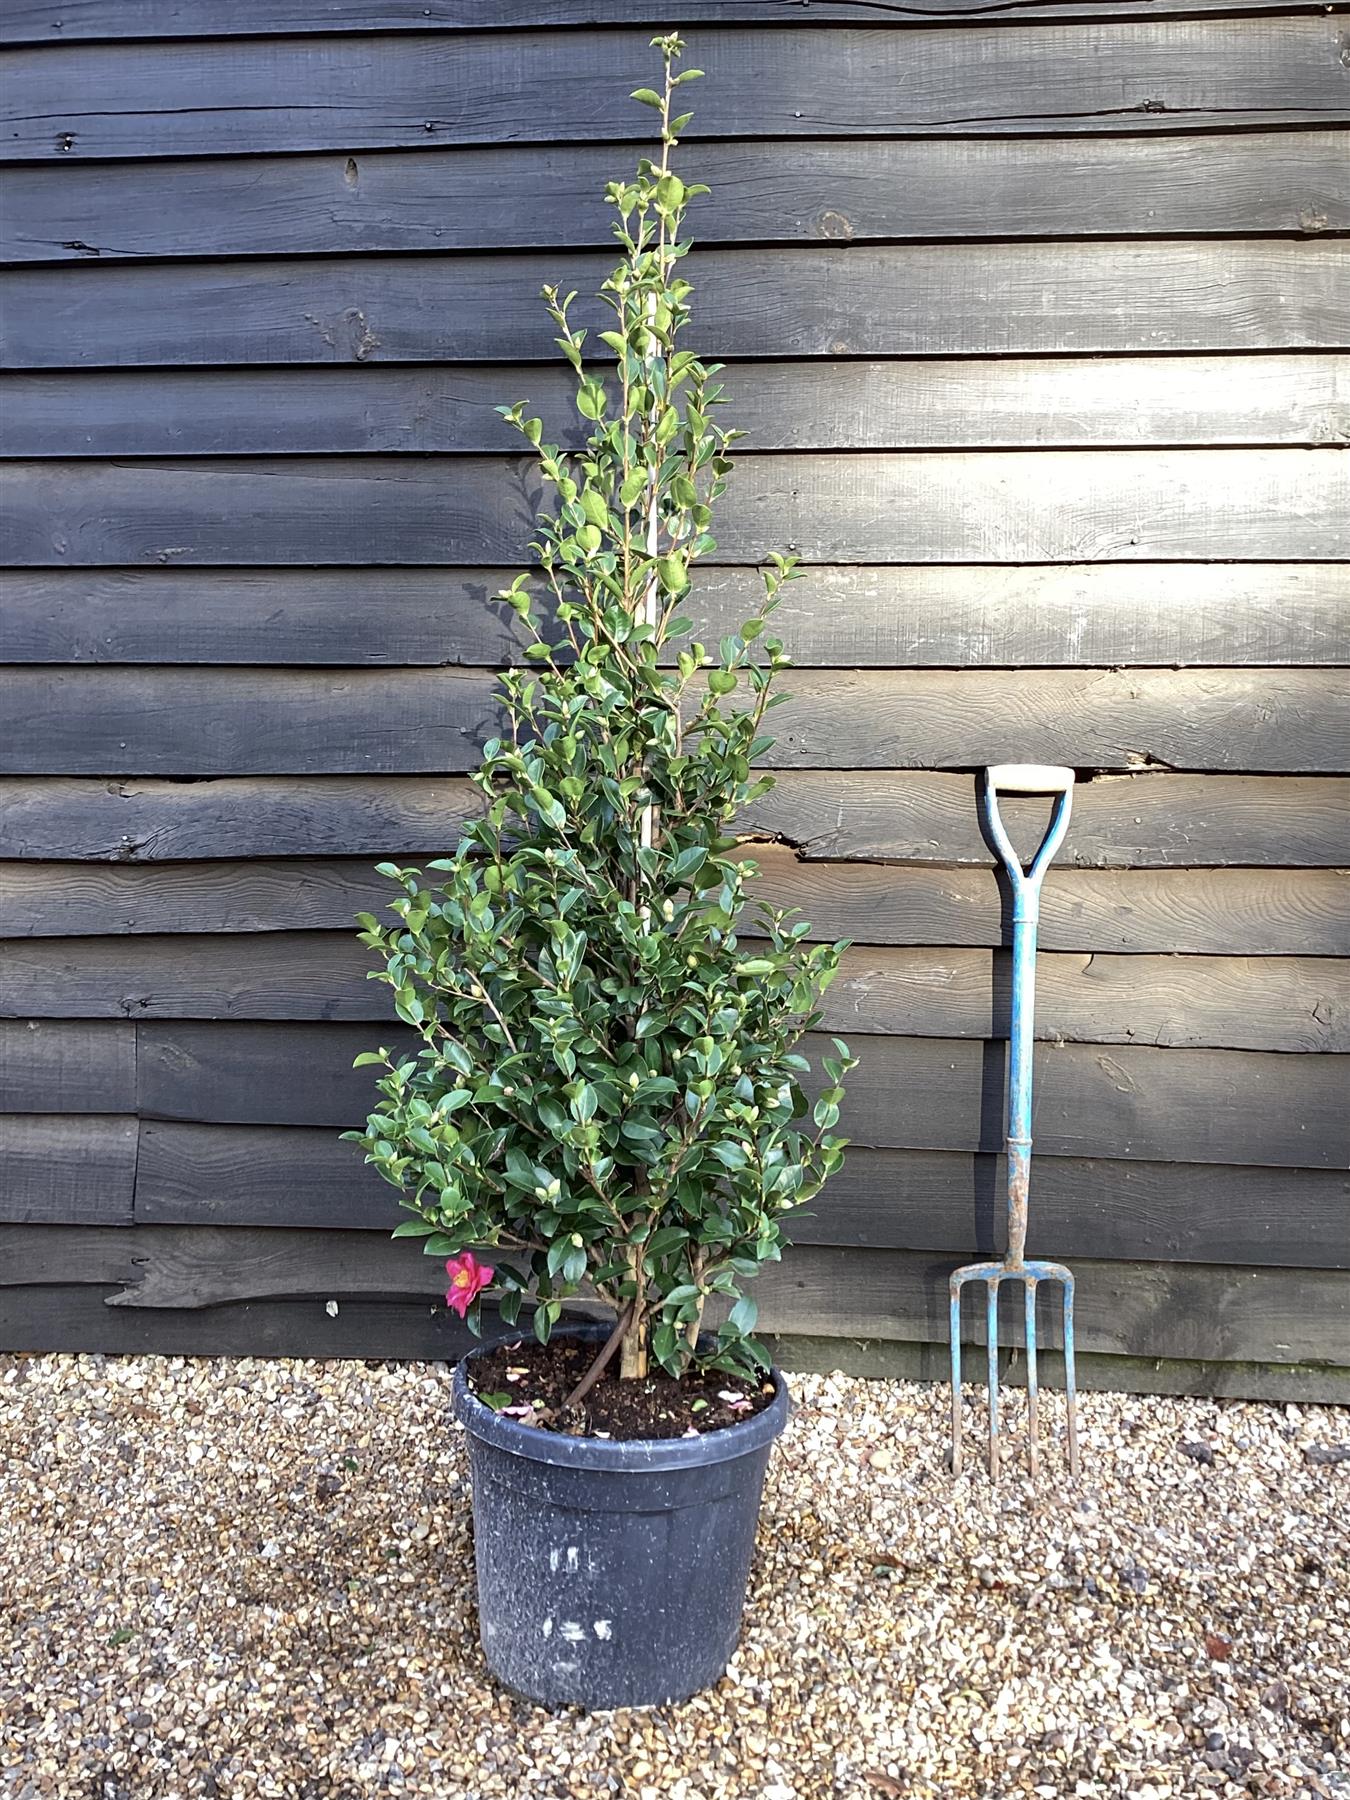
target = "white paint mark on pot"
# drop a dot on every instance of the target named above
(548, 1628)
(574, 1633)
(553, 1559)
(573, 1560)
(603, 1628)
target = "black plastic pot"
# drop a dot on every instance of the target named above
(612, 1574)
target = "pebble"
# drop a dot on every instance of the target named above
(249, 1578)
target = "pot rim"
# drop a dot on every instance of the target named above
(636, 1455)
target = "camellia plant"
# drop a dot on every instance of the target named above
(607, 1093)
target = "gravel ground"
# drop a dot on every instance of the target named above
(224, 1578)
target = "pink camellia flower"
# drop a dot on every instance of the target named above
(468, 1278)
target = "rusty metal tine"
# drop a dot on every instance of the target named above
(1070, 1384)
(956, 1375)
(1033, 1441)
(991, 1331)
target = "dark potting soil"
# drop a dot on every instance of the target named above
(529, 1382)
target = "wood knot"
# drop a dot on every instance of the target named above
(834, 225)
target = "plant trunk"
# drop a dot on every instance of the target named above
(633, 1350)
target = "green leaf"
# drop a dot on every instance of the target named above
(670, 572)
(742, 1316)
(633, 488)
(648, 97)
(731, 1156)
(687, 863)
(413, 1228)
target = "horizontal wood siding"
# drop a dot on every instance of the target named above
(1037, 322)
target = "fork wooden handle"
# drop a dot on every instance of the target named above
(1029, 778)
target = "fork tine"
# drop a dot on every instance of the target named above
(1070, 1384)
(991, 1333)
(956, 1374)
(1033, 1442)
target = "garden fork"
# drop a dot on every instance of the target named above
(1019, 778)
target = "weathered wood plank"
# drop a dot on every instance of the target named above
(282, 94)
(882, 1199)
(1309, 1384)
(74, 21)
(1230, 1106)
(510, 197)
(1115, 402)
(1147, 821)
(1153, 1309)
(1225, 1002)
(67, 1316)
(1218, 912)
(1075, 615)
(67, 1171)
(180, 721)
(1244, 1003)
(908, 507)
(914, 300)
(1128, 911)
(67, 1066)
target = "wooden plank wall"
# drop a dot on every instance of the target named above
(1038, 321)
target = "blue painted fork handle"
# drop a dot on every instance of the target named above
(1026, 887)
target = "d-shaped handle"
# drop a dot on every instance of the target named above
(1029, 778)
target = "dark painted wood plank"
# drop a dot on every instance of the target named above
(1205, 912)
(74, 21)
(1156, 1309)
(1120, 1102)
(982, 616)
(229, 97)
(907, 507)
(1292, 1003)
(1114, 402)
(66, 1316)
(135, 821)
(1224, 1002)
(509, 197)
(67, 1066)
(859, 300)
(111, 721)
(1300, 1004)
(1187, 1310)
(1147, 821)
(881, 1199)
(67, 1171)
(69, 1317)
(1309, 1384)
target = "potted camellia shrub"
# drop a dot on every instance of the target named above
(604, 1103)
